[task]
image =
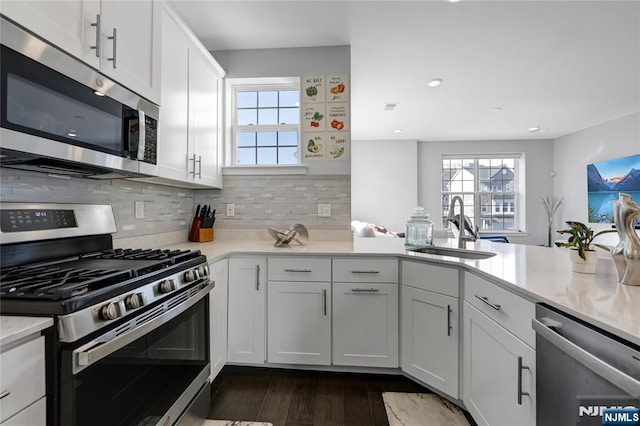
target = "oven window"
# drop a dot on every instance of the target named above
(140, 382)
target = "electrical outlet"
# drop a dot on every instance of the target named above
(139, 209)
(324, 210)
(231, 209)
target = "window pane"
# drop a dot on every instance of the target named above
(267, 139)
(268, 116)
(266, 156)
(247, 116)
(246, 139)
(288, 138)
(288, 155)
(289, 98)
(247, 99)
(246, 156)
(289, 115)
(268, 99)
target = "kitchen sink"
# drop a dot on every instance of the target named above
(454, 252)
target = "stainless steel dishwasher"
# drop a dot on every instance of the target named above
(582, 371)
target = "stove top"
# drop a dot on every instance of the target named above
(66, 278)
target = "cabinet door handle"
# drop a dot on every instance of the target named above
(199, 161)
(114, 37)
(298, 270)
(257, 277)
(324, 302)
(520, 368)
(364, 272)
(199, 166)
(4, 394)
(486, 300)
(97, 25)
(365, 290)
(449, 327)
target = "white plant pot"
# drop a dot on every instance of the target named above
(578, 264)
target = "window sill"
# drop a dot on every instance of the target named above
(264, 170)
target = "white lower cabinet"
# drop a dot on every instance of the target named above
(246, 310)
(299, 322)
(365, 324)
(219, 273)
(430, 325)
(499, 373)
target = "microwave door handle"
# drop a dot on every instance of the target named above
(619, 378)
(142, 135)
(95, 350)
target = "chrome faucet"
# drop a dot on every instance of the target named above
(462, 238)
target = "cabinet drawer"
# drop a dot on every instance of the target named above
(508, 309)
(431, 277)
(34, 415)
(22, 377)
(298, 268)
(370, 270)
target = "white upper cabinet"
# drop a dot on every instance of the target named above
(120, 38)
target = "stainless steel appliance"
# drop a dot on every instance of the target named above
(581, 371)
(130, 345)
(60, 116)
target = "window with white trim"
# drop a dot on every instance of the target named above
(489, 187)
(265, 122)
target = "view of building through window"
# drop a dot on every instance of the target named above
(488, 187)
(267, 125)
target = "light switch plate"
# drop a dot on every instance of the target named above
(139, 209)
(324, 210)
(231, 209)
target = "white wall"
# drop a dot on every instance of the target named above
(384, 184)
(572, 153)
(538, 155)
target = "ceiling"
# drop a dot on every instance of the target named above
(506, 65)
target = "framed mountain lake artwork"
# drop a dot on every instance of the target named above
(608, 178)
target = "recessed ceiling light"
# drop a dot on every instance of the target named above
(389, 106)
(534, 129)
(452, 1)
(397, 131)
(496, 109)
(435, 82)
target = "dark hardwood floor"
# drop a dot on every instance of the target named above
(301, 397)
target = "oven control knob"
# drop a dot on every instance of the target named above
(203, 271)
(191, 275)
(135, 301)
(167, 286)
(110, 311)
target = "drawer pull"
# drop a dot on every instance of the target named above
(486, 300)
(365, 290)
(298, 270)
(4, 394)
(364, 272)
(257, 277)
(324, 302)
(449, 327)
(520, 368)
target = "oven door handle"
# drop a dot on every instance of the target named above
(592, 362)
(96, 350)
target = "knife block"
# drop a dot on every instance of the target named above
(205, 235)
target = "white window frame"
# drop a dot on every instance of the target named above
(232, 86)
(519, 204)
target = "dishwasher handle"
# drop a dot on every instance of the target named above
(619, 378)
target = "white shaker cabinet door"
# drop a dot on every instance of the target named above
(219, 273)
(246, 310)
(499, 373)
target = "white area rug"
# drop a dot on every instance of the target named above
(233, 423)
(420, 409)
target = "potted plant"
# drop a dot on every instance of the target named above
(582, 255)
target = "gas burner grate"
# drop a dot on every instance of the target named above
(176, 256)
(56, 283)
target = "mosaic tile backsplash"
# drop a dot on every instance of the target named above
(260, 201)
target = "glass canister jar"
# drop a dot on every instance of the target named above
(419, 229)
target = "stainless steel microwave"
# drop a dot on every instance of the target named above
(59, 115)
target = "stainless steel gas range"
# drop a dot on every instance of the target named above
(130, 344)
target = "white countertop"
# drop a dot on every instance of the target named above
(15, 328)
(540, 273)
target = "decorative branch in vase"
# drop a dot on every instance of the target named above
(551, 204)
